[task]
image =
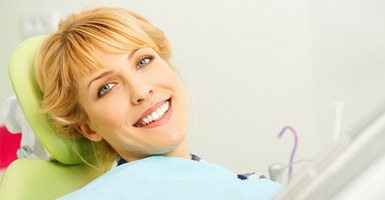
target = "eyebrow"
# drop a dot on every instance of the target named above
(132, 54)
(110, 72)
(99, 77)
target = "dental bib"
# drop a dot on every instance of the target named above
(160, 177)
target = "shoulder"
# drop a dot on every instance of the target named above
(242, 176)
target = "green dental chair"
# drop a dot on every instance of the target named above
(41, 179)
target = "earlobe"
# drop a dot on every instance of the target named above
(87, 132)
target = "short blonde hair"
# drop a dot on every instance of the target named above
(70, 53)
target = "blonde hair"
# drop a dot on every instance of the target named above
(70, 53)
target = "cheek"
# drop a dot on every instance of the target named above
(169, 78)
(108, 115)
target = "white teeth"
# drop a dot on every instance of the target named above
(156, 114)
(150, 118)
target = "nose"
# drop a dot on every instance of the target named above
(140, 91)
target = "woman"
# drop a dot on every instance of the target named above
(106, 76)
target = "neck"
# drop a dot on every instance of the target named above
(182, 151)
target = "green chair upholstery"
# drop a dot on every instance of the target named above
(38, 178)
(31, 178)
(21, 74)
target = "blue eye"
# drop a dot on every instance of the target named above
(105, 88)
(144, 61)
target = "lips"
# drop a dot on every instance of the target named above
(155, 115)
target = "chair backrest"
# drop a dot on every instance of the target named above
(38, 178)
(21, 73)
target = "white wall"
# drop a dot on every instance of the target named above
(349, 63)
(252, 67)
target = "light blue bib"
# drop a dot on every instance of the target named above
(170, 178)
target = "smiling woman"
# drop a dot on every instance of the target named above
(136, 104)
(105, 76)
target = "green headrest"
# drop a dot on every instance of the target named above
(21, 74)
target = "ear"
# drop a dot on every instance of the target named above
(87, 132)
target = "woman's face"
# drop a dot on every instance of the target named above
(135, 103)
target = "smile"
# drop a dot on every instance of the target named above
(157, 117)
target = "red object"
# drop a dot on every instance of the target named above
(9, 144)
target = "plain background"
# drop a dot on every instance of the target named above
(252, 67)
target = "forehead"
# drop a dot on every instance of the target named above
(94, 61)
(90, 57)
(105, 57)
(107, 61)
